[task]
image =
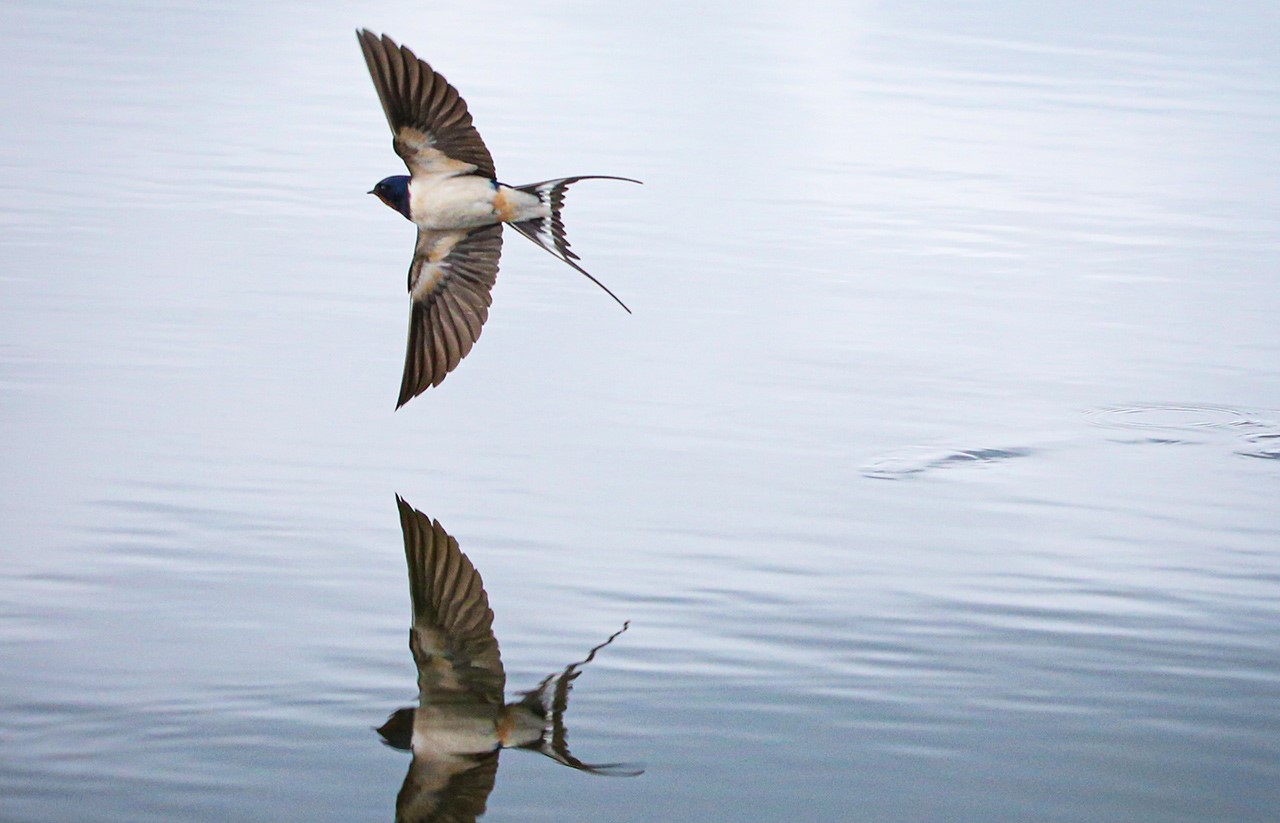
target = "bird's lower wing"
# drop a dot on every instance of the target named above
(450, 281)
(453, 789)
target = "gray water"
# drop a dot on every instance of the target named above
(937, 470)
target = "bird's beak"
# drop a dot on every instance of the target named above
(371, 191)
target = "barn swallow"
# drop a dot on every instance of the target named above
(454, 198)
(462, 721)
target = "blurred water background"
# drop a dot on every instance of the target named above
(937, 471)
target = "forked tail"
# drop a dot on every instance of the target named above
(548, 232)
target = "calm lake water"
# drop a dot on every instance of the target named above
(937, 471)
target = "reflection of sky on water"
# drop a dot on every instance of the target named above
(1017, 262)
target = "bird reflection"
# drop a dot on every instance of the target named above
(461, 722)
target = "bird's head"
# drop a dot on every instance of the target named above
(397, 732)
(394, 191)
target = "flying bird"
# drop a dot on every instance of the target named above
(454, 198)
(462, 721)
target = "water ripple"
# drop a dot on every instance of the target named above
(1267, 446)
(1257, 428)
(1174, 417)
(916, 460)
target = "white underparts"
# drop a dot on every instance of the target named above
(448, 201)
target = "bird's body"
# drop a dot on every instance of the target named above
(449, 728)
(448, 202)
(468, 201)
(453, 196)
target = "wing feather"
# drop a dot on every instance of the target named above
(430, 125)
(446, 790)
(450, 280)
(452, 636)
(464, 320)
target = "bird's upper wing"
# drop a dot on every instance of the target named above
(429, 119)
(454, 789)
(449, 283)
(452, 636)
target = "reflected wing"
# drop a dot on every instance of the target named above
(452, 789)
(452, 636)
(449, 283)
(429, 119)
(550, 700)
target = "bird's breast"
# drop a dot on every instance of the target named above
(444, 202)
(462, 728)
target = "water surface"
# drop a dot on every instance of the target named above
(935, 471)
